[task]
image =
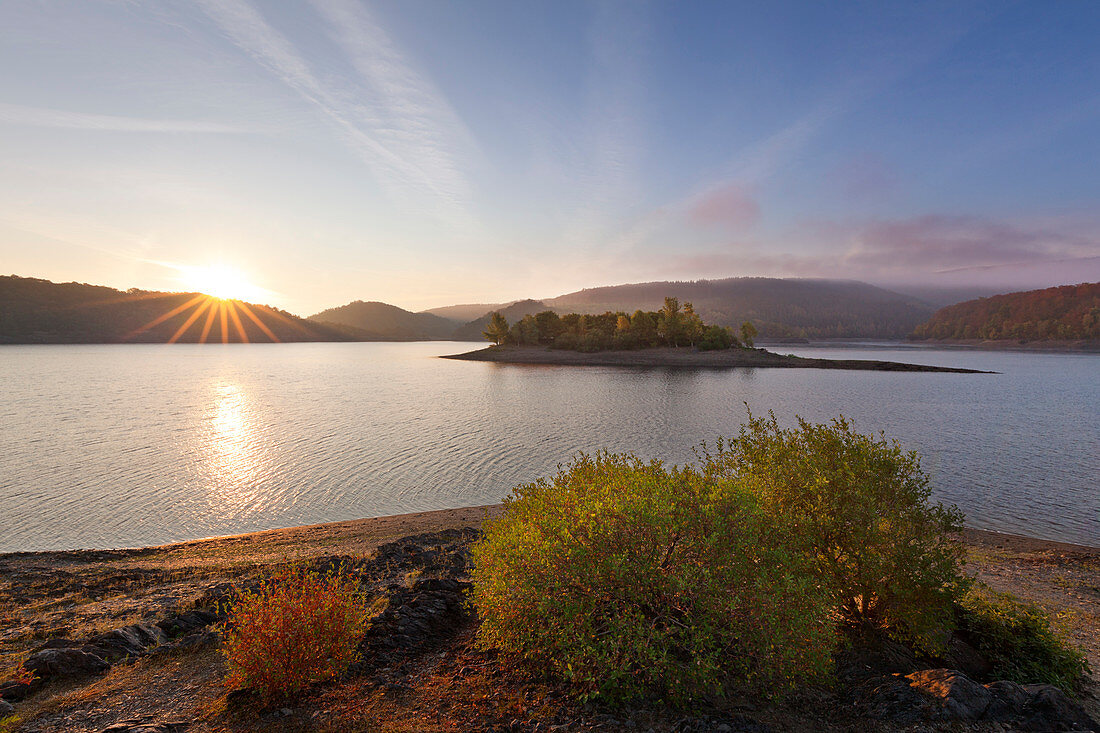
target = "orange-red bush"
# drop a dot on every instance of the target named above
(299, 627)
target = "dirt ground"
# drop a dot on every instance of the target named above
(447, 686)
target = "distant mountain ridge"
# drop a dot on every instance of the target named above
(777, 307)
(38, 311)
(34, 311)
(388, 321)
(1064, 313)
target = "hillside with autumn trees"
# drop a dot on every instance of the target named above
(1065, 313)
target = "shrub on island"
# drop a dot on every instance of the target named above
(633, 579)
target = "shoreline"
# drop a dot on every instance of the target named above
(687, 357)
(423, 670)
(365, 533)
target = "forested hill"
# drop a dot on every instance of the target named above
(474, 330)
(388, 321)
(777, 307)
(1065, 313)
(34, 311)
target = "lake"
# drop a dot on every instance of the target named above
(121, 446)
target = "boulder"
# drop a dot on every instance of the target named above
(949, 695)
(50, 663)
(1048, 708)
(187, 622)
(129, 641)
(962, 656)
(961, 697)
(15, 691)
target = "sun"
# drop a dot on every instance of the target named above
(221, 281)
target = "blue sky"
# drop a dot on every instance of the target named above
(429, 153)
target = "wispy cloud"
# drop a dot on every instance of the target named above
(43, 117)
(411, 114)
(389, 115)
(613, 138)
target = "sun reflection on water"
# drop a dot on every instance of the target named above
(233, 462)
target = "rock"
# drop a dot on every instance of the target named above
(15, 691)
(129, 641)
(965, 658)
(6, 709)
(892, 698)
(187, 622)
(1049, 709)
(948, 694)
(60, 644)
(51, 663)
(1009, 700)
(962, 698)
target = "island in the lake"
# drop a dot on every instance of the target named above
(685, 356)
(671, 337)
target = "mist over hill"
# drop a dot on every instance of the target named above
(777, 307)
(1065, 313)
(466, 312)
(34, 311)
(388, 321)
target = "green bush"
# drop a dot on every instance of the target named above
(858, 507)
(1019, 640)
(633, 579)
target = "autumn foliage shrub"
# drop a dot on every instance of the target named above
(297, 628)
(632, 579)
(635, 579)
(858, 507)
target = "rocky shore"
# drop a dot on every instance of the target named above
(688, 357)
(126, 641)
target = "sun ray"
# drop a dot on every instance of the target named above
(225, 324)
(294, 324)
(162, 318)
(187, 324)
(209, 320)
(237, 321)
(262, 326)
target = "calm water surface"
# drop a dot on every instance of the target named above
(110, 446)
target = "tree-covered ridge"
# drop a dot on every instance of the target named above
(1068, 312)
(673, 325)
(35, 311)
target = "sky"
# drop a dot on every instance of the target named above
(425, 153)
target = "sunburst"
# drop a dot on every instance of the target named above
(220, 308)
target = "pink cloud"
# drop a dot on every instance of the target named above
(730, 206)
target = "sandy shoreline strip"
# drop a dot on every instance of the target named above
(359, 536)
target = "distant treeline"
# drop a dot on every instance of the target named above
(673, 325)
(1066, 313)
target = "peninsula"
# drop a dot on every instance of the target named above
(687, 357)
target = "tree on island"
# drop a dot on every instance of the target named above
(497, 331)
(672, 326)
(748, 333)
